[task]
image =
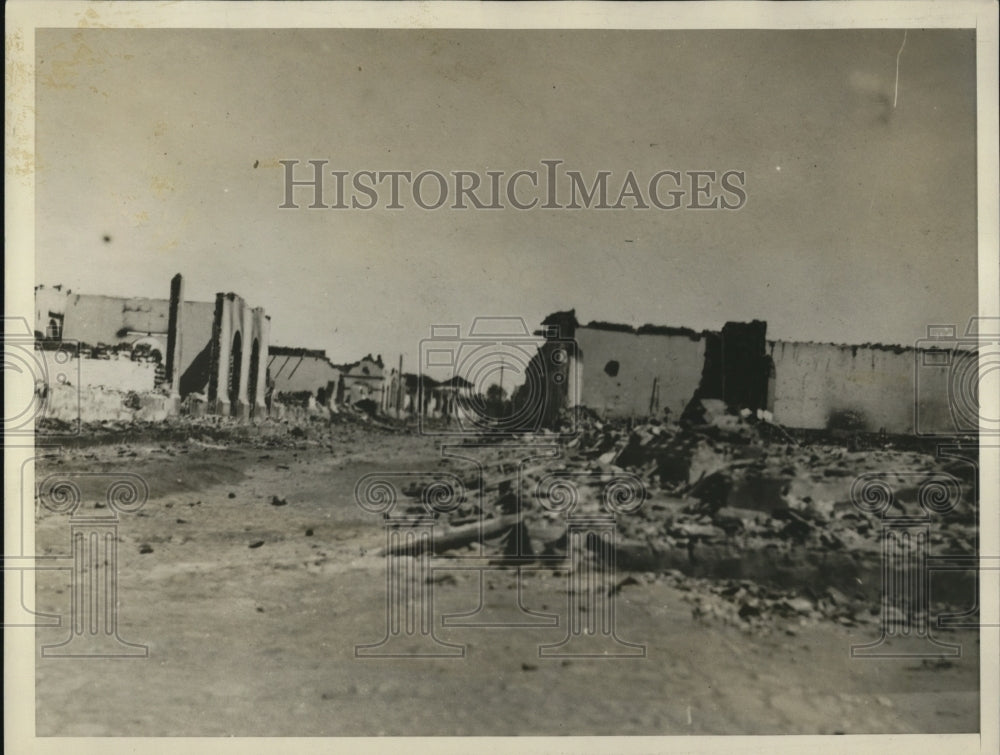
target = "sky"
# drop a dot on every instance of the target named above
(158, 150)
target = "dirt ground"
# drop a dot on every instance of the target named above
(260, 641)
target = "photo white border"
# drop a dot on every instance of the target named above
(23, 17)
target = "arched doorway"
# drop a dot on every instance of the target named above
(235, 365)
(253, 376)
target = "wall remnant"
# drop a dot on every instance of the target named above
(621, 371)
(198, 347)
(364, 380)
(238, 361)
(815, 383)
(303, 371)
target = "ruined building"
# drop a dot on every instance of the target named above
(300, 373)
(364, 380)
(621, 371)
(422, 395)
(213, 354)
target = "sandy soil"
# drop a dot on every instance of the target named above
(254, 641)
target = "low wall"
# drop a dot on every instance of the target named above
(98, 404)
(874, 387)
(813, 381)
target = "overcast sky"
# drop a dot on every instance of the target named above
(859, 223)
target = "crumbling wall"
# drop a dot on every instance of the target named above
(364, 380)
(50, 309)
(238, 362)
(625, 373)
(136, 369)
(190, 342)
(119, 372)
(209, 351)
(96, 403)
(814, 382)
(296, 370)
(109, 319)
(94, 319)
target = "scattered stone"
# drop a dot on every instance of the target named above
(628, 581)
(936, 663)
(837, 597)
(275, 501)
(256, 544)
(145, 548)
(724, 493)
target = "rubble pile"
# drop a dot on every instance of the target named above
(740, 480)
(216, 431)
(730, 499)
(749, 605)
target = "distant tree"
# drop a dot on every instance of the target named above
(497, 404)
(495, 393)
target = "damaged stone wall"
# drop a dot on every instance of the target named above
(100, 384)
(214, 352)
(95, 320)
(303, 370)
(237, 380)
(118, 373)
(189, 343)
(111, 319)
(94, 403)
(656, 371)
(364, 380)
(119, 347)
(815, 383)
(626, 374)
(50, 311)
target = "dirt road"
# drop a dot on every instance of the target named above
(251, 612)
